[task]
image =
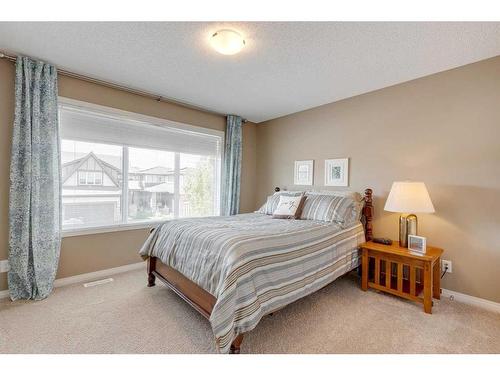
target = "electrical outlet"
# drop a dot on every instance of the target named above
(446, 263)
(4, 266)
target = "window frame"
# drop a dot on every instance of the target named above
(162, 123)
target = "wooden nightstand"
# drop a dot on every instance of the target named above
(396, 270)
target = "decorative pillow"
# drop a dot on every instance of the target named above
(289, 207)
(328, 208)
(269, 207)
(357, 212)
(357, 206)
(262, 209)
(341, 193)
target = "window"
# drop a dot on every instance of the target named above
(89, 178)
(150, 198)
(121, 168)
(197, 185)
(88, 199)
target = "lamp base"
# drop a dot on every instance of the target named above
(407, 226)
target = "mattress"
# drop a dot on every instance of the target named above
(254, 264)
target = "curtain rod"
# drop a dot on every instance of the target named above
(116, 86)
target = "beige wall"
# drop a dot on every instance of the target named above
(248, 168)
(443, 129)
(90, 253)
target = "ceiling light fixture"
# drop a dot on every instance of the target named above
(227, 42)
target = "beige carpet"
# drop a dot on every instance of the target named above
(127, 317)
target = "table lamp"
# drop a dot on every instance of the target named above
(408, 198)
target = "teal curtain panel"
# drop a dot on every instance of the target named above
(231, 176)
(35, 190)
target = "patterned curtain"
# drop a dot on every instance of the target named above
(231, 175)
(34, 202)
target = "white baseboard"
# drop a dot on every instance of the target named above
(85, 277)
(471, 300)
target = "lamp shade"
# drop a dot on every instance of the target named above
(408, 197)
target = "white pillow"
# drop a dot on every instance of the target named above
(272, 201)
(289, 207)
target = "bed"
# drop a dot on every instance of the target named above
(235, 270)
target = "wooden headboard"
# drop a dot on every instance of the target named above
(367, 213)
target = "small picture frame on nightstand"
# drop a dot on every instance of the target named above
(417, 244)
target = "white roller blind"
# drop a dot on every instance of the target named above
(118, 127)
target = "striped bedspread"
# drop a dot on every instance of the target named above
(254, 264)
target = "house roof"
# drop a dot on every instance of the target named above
(165, 187)
(71, 167)
(159, 170)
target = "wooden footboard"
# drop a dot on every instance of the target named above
(204, 302)
(197, 297)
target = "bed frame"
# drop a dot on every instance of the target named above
(200, 299)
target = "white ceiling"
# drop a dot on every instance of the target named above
(286, 67)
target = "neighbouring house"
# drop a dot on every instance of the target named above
(150, 190)
(92, 190)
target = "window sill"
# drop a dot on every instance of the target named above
(109, 229)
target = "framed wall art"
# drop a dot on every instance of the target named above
(337, 172)
(304, 170)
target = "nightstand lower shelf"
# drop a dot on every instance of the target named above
(419, 287)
